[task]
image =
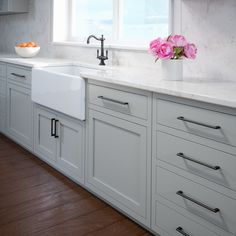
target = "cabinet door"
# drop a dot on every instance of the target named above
(2, 105)
(118, 163)
(44, 143)
(70, 147)
(19, 115)
(2, 113)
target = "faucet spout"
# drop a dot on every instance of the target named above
(93, 36)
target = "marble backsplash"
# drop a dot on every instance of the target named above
(208, 23)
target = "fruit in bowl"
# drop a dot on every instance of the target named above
(27, 49)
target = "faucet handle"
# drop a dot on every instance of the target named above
(106, 54)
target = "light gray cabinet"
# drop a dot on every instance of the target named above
(193, 159)
(3, 98)
(117, 165)
(19, 115)
(2, 112)
(44, 142)
(70, 147)
(59, 140)
(13, 6)
(119, 150)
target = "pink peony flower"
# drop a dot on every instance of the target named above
(190, 51)
(155, 45)
(174, 47)
(166, 51)
(178, 40)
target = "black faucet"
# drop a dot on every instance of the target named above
(102, 56)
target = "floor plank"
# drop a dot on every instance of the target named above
(30, 208)
(124, 227)
(49, 218)
(35, 199)
(84, 224)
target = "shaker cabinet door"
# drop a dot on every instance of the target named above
(19, 115)
(118, 163)
(44, 142)
(70, 147)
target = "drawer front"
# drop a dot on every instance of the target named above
(197, 199)
(209, 124)
(214, 165)
(19, 75)
(3, 71)
(176, 224)
(119, 101)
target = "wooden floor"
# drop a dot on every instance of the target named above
(37, 200)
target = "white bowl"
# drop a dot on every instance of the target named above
(27, 52)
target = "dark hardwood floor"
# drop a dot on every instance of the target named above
(37, 200)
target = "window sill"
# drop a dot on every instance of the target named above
(107, 46)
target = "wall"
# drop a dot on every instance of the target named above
(208, 23)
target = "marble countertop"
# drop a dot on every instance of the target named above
(200, 89)
(215, 92)
(33, 62)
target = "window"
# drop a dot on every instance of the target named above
(122, 22)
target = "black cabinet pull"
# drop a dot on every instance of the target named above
(198, 123)
(214, 210)
(114, 101)
(55, 129)
(181, 231)
(18, 75)
(180, 154)
(52, 127)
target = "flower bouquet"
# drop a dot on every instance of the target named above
(172, 50)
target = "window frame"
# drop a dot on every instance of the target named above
(175, 22)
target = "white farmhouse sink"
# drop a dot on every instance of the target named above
(60, 88)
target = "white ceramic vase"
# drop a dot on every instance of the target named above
(172, 69)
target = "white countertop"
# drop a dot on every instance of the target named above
(33, 62)
(205, 90)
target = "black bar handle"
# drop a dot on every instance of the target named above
(198, 123)
(55, 129)
(113, 100)
(214, 210)
(52, 129)
(18, 75)
(181, 231)
(180, 154)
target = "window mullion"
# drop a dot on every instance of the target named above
(69, 19)
(116, 19)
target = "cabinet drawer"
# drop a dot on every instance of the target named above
(214, 165)
(209, 124)
(210, 206)
(3, 71)
(119, 101)
(19, 75)
(174, 223)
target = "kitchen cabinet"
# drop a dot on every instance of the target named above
(3, 99)
(118, 156)
(19, 106)
(59, 140)
(19, 115)
(193, 159)
(13, 6)
(44, 141)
